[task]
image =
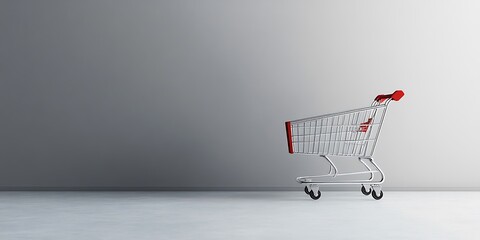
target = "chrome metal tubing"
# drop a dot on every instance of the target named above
(329, 178)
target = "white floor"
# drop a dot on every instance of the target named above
(238, 215)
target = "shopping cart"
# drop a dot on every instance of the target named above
(351, 133)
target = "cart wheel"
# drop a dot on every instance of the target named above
(312, 195)
(306, 190)
(377, 197)
(364, 191)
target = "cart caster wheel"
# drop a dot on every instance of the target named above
(306, 190)
(375, 196)
(312, 195)
(364, 191)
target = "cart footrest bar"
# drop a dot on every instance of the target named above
(345, 182)
(339, 174)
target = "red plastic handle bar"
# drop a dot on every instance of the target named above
(397, 95)
(289, 137)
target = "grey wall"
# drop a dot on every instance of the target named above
(158, 94)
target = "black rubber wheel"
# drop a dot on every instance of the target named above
(375, 196)
(312, 195)
(364, 191)
(306, 190)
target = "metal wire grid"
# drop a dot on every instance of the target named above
(350, 133)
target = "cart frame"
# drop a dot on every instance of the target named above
(352, 133)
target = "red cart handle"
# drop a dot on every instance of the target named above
(397, 95)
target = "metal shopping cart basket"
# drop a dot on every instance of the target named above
(351, 133)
